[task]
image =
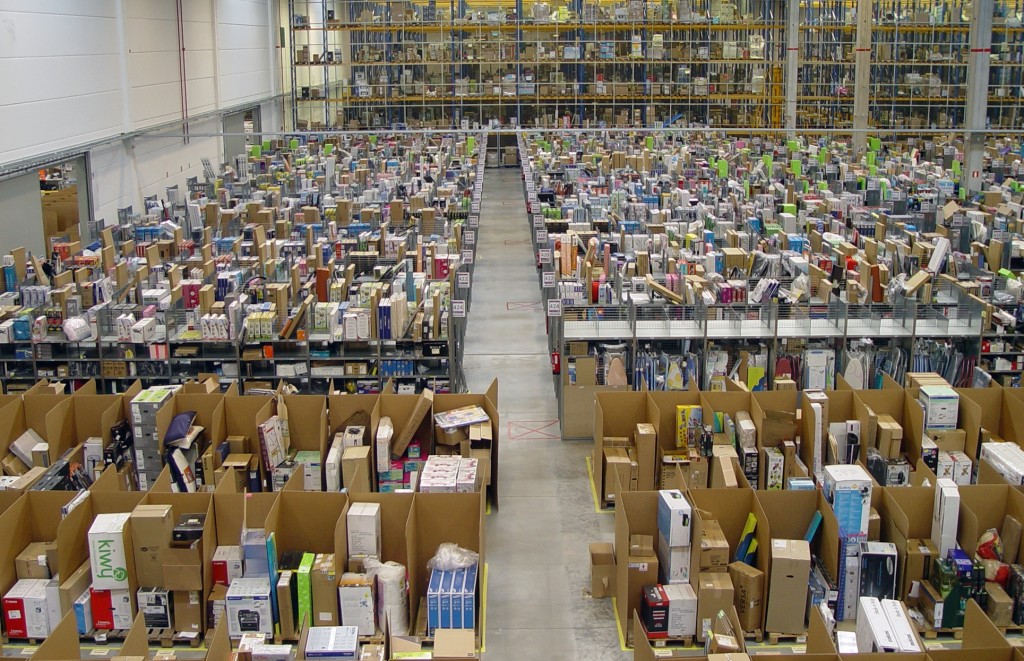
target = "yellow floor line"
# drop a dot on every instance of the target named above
(618, 626)
(483, 612)
(593, 487)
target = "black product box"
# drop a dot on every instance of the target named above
(189, 528)
(878, 570)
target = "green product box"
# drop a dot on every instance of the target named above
(305, 587)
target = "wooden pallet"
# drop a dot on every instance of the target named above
(1015, 628)
(756, 635)
(934, 634)
(784, 638)
(683, 641)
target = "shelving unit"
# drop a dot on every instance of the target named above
(391, 64)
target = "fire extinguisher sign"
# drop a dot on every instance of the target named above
(555, 307)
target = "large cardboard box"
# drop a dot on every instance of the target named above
(110, 551)
(602, 570)
(324, 583)
(714, 593)
(748, 586)
(151, 527)
(787, 588)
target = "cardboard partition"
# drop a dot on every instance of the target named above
(52, 417)
(869, 404)
(95, 415)
(219, 645)
(922, 475)
(787, 401)
(819, 638)
(191, 503)
(136, 643)
(234, 510)
(307, 421)
(615, 414)
(970, 654)
(840, 409)
(110, 480)
(784, 515)
(35, 517)
(984, 506)
(243, 416)
(661, 412)
(996, 410)
(395, 510)
(341, 407)
(727, 402)
(489, 403)
(163, 483)
(636, 513)
(126, 399)
(400, 408)
(906, 513)
(210, 415)
(979, 632)
(729, 507)
(73, 531)
(578, 399)
(437, 518)
(62, 643)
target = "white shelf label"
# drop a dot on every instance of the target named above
(474, 221)
(545, 255)
(555, 307)
(463, 279)
(542, 236)
(549, 279)
(470, 237)
(467, 256)
(538, 222)
(458, 309)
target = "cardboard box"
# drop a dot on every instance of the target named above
(674, 562)
(285, 604)
(35, 561)
(356, 595)
(945, 516)
(364, 533)
(324, 586)
(183, 566)
(921, 555)
(112, 609)
(674, 517)
(714, 548)
(155, 607)
(151, 527)
(109, 551)
(602, 570)
(714, 593)
(25, 611)
(423, 406)
(787, 588)
(669, 611)
(748, 586)
(1000, 605)
(847, 487)
(941, 406)
(227, 564)
(189, 613)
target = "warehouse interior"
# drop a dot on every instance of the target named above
(583, 329)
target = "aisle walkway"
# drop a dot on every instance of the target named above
(538, 602)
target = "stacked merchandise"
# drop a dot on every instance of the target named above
(669, 609)
(144, 407)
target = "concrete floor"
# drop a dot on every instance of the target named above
(538, 596)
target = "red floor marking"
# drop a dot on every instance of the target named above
(522, 430)
(522, 305)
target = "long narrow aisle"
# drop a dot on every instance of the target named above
(538, 601)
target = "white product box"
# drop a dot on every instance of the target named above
(25, 611)
(227, 564)
(674, 517)
(144, 331)
(944, 465)
(364, 529)
(1006, 458)
(332, 468)
(385, 430)
(155, 606)
(248, 607)
(902, 627)
(746, 432)
(873, 631)
(847, 488)
(945, 515)
(312, 469)
(53, 611)
(963, 468)
(332, 643)
(107, 551)
(356, 596)
(22, 446)
(673, 561)
(92, 456)
(268, 652)
(682, 610)
(941, 407)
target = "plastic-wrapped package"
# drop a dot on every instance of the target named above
(450, 557)
(392, 594)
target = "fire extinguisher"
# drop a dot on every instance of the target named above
(556, 362)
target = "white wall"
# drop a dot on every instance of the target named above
(61, 73)
(22, 213)
(78, 71)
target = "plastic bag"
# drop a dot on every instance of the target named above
(990, 546)
(450, 557)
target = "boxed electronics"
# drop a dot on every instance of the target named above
(155, 606)
(332, 642)
(108, 541)
(25, 611)
(227, 564)
(248, 607)
(874, 634)
(847, 488)
(878, 570)
(669, 611)
(364, 529)
(945, 516)
(674, 517)
(112, 610)
(941, 406)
